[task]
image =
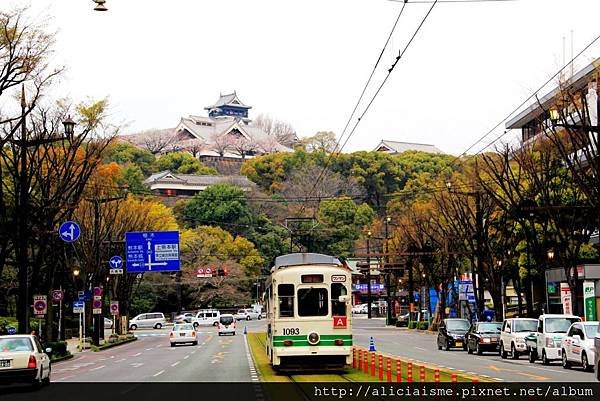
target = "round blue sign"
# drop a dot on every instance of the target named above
(116, 262)
(69, 231)
(11, 330)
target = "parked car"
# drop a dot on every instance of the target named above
(359, 308)
(185, 317)
(451, 334)
(227, 324)
(512, 337)
(108, 323)
(183, 333)
(483, 336)
(207, 317)
(578, 345)
(546, 343)
(148, 320)
(22, 360)
(247, 314)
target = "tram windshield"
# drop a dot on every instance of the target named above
(338, 308)
(286, 300)
(312, 302)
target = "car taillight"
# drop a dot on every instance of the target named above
(32, 362)
(171, 335)
(339, 342)
(481, 340)
(193, 334)
(288, 343)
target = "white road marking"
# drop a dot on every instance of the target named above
(120, 360)
(99, 367)
(63, 378)
(175, 364)
(186, 357)
(137, 364)
(422, 349)
(158, 373)
(148, 349)
(138, 354)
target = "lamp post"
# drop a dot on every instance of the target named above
(100, 5)
(369, 274)
(550, 255)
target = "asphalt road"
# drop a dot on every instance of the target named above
(421, 346)
(151, 358)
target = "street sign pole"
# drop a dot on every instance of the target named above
(80, 334)
(60, 317)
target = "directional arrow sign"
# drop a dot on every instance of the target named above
(115, 262)
(155, 251)
(69, 231)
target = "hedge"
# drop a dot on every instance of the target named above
(423, 325)
(412, 324)
(59, 348)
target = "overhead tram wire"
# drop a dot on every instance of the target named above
(337, 144)
(451, 1)
(398, 58)
(522, 104)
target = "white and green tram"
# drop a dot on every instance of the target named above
(307, 300)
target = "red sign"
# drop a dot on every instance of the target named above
(200, 270)
(340, 322)
(97, 304)
(97, 291)
(57, 295)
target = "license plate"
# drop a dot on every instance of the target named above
(494, 340)
(458, 344)
(181, 334)
(5, 363)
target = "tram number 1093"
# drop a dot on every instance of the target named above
(291, 331)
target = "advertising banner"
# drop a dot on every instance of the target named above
(565, 297)
(589, 300)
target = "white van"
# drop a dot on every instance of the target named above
(147, 321)
(551, 330)
(208, 317)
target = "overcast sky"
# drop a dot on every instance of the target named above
(305, 62)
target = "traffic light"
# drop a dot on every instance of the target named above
(222, 272)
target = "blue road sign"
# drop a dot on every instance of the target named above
(87, 295)
(115, 262)
(78, 307)
(80, 295)
(156, 251)
(11, 330)
(69, 231)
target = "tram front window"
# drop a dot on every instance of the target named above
(312, 302)
(285, 293)
(338, 308)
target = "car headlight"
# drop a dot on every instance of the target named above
(313, 338)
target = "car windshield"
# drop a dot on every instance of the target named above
(180, 327)
(226, 320)
(591, 330)
(241, 312)
(458, 324)
(559, 324)
(489, 328)
(521, 326)
(15, 344)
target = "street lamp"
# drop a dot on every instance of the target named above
(369, 274)
(69, 125)
(76, 272)
(551, 254)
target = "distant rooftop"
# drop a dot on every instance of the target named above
(229, 99)
(400, 147)
(192, 180)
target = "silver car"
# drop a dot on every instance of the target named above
(154, 320)
(578, 345)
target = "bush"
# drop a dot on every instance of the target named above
(59, 348)
(412, 325)
(423, 325)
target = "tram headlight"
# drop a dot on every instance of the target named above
(313, 338)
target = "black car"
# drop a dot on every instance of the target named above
(483, 336)
(451, 334)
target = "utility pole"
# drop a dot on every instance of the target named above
(478, 280)
(388, 274)
(369, 275)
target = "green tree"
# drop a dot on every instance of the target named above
(126, 154)
(322, 141)
(183, 163)
(224, 205)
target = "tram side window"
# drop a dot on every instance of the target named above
(286, 300)
(312, 302)
(338, 308)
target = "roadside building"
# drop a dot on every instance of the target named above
(396, 147)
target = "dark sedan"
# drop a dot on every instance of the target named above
(483, 336)
(451, 334)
